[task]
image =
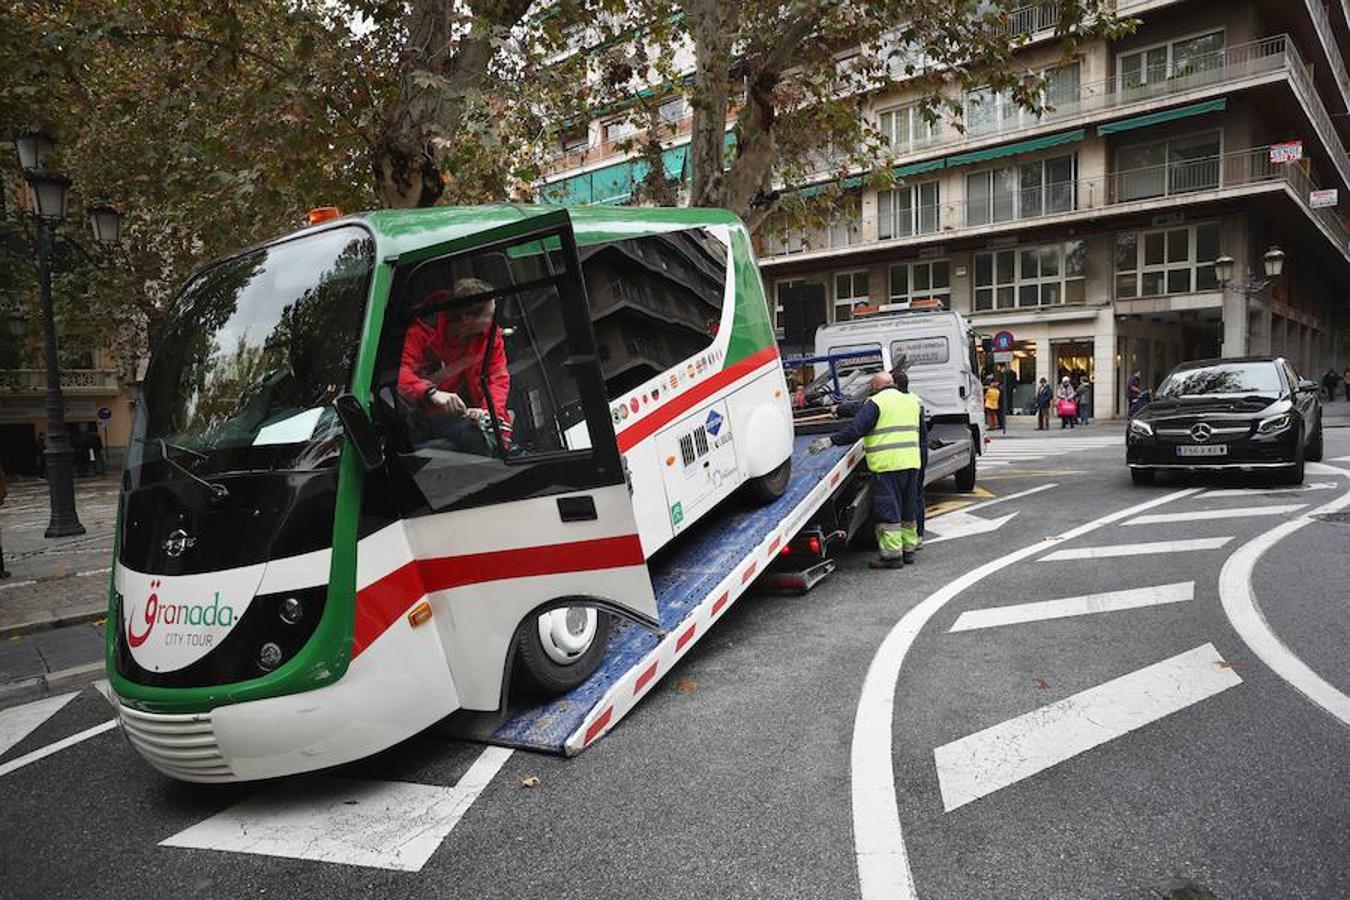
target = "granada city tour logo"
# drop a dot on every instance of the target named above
(175, 614)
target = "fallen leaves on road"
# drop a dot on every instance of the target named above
(685, 687)
(1042, 684)
(530, 781)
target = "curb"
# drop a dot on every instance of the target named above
(75, 677)
(77, 618)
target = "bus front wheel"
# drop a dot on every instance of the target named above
(563, 647)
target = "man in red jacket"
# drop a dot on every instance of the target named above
(445, 356)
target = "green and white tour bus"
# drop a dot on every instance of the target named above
(385, 463)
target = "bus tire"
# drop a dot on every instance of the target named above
(769, 487)
(557, 650)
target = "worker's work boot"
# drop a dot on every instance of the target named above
(882, 562)
(908, 555)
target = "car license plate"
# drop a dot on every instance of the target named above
(1203, 450)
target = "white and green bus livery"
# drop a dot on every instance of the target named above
(386, 464)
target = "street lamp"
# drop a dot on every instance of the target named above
(48, 195)
(1224, 266)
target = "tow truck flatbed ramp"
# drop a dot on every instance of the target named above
(696, 580)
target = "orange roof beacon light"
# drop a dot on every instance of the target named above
(320, 214)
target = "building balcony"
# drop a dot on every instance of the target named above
(73, 381)
(1152, 188)
(1221, 72)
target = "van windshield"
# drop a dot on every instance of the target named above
(253, 352)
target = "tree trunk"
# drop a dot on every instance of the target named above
(710, 24)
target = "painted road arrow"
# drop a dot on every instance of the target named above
(961, 524)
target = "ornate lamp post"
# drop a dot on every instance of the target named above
(48, 192)
(1249, 287)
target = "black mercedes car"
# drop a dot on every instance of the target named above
(1251, 413)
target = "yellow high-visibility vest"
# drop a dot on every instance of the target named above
(893, 443)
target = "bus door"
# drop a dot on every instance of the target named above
(501, 457)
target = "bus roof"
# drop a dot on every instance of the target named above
(402, 230)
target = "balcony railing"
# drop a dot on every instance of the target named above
(1091, 195)
(74, 380)
(1327, 36)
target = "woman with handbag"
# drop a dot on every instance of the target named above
(1066, 404)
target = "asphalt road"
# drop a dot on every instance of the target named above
(1099, 754)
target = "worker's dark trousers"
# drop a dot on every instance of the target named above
(893, 498)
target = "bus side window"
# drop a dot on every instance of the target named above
(473, 383)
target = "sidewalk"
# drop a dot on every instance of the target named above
(1336, 413)
(55, 581)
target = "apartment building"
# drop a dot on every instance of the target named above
(1218, 128)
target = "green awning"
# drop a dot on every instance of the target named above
(612, 184)
(1166, 115)
(815, 190)
(1041, 143)
(673, 161)
(918, 168)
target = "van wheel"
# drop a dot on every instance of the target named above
(1142, 476)
(769, 487)
(563, 647)
(965, 477)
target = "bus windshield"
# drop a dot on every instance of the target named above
(253, 352)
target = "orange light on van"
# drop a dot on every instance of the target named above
(420, 614)
(323, 214)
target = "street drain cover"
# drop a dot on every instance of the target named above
(1183, 889)
(1340, 518)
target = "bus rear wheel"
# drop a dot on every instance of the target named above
(563, 647)
(769, 487)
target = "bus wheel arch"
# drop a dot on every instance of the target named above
(559, 644)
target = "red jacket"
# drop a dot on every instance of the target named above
(433, 357)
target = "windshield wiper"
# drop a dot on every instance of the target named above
(218, 490)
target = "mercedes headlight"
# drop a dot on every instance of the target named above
(1140, 428)
(1274, 424)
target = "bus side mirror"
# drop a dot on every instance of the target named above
(359, 431)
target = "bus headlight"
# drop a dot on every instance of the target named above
(269, 656)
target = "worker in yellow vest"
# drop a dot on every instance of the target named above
(888, 425)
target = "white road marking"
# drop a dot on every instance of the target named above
(10, 585)
(1252, 492)
(16, 764)
(1240, 605)
(1002, 755)
(1340, 459)
(1204, 515)
(879, 842)
(1110, 601)
(1138, 549)
(1324, 469)
(18, 722)
(381, 824)
(959, 523)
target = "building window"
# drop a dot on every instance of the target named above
(576, 139)
(1167, 261)
(1024, 191)
(1175, 166)
(1177, 59)
(905, 128)
(907, 210)
(671, 111)
(988, 111)
(921, 281)
(850, 290)
(618, 129)
(1031, 276)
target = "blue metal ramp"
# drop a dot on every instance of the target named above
(696, 578)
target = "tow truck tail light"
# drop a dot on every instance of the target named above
(813, 544)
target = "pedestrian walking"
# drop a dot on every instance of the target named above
(1134, 392)
(1084, 397)
(888, 425)
(1345, 382)
(1329, 381)
(1005, 394)
(901, 380)
(1066, 404)
(1045, 395)
(991, 403)
(96, 451)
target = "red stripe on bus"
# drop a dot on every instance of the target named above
(599, 725)
(644, 678)
(382, 602)
(773, 547)
(748, 573)
(669, 412)
(721, 602)
(685, 638)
